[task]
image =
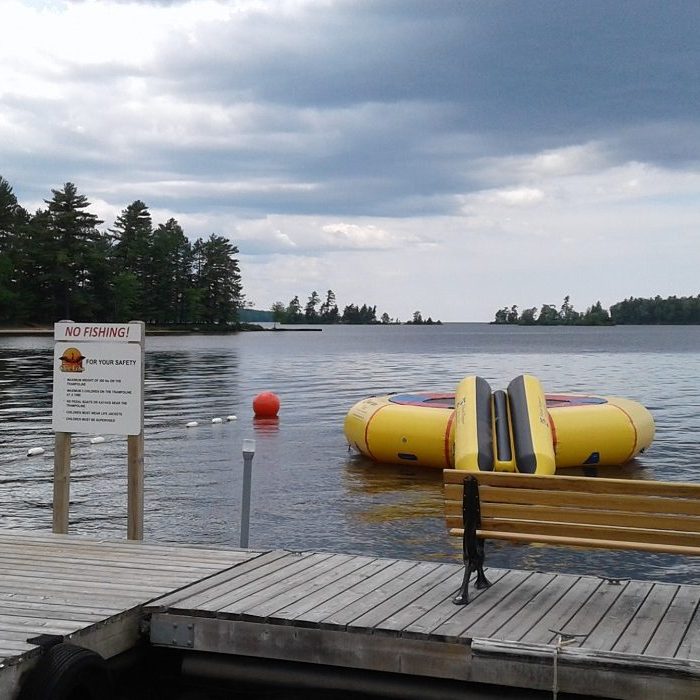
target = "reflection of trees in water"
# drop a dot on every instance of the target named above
(189, 378)
(26, 378)
(397, 492)
(190, 363)
(363, 475)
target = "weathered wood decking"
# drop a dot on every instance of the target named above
(632, 639)
(89, 590)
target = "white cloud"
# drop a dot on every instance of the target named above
(367, 237)
(517, 197)
(534, 167)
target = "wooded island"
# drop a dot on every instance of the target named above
(633, 311)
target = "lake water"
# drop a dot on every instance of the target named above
(308, 491)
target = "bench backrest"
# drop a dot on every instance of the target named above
(663, 516)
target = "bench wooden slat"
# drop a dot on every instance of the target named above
(583, 484)
(579, 499)
(526, 538)
(515, 511)
(586, 531)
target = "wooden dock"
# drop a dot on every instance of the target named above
(88, 590)
(394, 618)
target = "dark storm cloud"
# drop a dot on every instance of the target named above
(389, 108)
(391, 104)
(519, 70)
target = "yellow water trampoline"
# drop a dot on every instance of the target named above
(518, 429)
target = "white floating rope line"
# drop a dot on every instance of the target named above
(215, 421)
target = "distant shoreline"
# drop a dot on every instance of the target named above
(245, 327)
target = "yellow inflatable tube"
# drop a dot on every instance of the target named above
(473, 448)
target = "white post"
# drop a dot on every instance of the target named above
(248, 452)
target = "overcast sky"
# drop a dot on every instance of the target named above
(446, 156)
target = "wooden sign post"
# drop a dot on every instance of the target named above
(98, 388)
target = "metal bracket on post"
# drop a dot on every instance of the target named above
(472, 546)
(166, 633)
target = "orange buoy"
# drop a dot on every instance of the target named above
(266, 405)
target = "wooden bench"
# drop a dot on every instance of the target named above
(651, 516)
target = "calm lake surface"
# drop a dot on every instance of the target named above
(308, 491)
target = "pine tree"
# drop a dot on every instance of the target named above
(218, 280)
(310, 313)
(12, 220)
(133, 234)
(169, 274)
(70, 233)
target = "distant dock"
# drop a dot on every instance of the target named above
(340, 621)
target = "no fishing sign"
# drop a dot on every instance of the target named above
(98, 378)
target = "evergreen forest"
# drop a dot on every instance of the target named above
(632, 311)
(317, 310)
(58, 264)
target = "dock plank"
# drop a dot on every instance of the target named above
(590, 612)
(273, 582)
(286, 587)
(251, 577)
(390, 586)
(561, 613)
(690, 645)
(481, 604)
(509, 605)
(609, 630)
(536, 608)
(646, 620)
(81, 546)
(324, 588)
(404, 619)
(669, 634)
(396, 611)
(428, 623)
(360, 584)
(200, 591)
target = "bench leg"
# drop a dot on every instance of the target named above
(472, 546)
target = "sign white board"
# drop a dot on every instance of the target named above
(97, 387)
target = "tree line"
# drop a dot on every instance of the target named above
(326, 311)
(59, 264)
(323, 311)
(672, 310)
(657, 311)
